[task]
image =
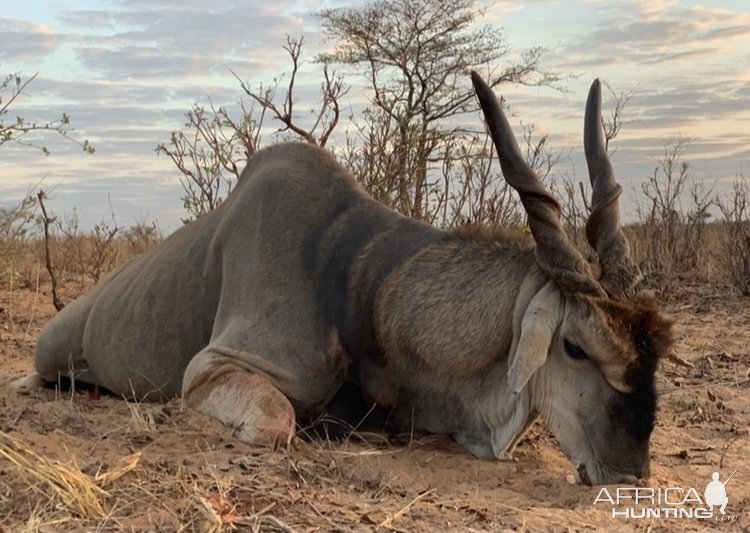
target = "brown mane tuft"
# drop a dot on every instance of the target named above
(650, 331)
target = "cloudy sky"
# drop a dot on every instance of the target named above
(127, 70)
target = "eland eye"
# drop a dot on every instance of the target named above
(574, 351)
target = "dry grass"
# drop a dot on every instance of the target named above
(64, 483)
(125, 465)
(141, 420)
(181, 494)
(84, 462)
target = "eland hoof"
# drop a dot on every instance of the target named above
(28, 383)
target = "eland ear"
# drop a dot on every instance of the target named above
(539, 323)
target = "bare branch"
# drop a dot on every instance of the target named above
(18, 130)
(47, 220)
(613, 124)
(327, 116)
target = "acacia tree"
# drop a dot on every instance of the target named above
(407, 147)
(14, 220)
(416, 55)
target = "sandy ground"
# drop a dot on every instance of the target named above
(81, 461)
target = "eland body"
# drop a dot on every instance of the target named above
(258, 312)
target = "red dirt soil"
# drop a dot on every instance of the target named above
(152, 467)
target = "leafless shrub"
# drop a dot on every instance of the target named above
(399, 177)
(67, 242)
(102, 254)
(367, 153)
(538, 153)
(613, 124)
(673, 235)
(466, 188)
(461, 185)
(735, 235)
(87, 255)
(326, 118)
(15, 227)
(209, 153)
(474, 191)
(575, 206)
(213, 147)
(142, 236)
(69, 252)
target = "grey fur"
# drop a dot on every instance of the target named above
(301, 281)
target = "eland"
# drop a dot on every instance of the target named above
(260, 311)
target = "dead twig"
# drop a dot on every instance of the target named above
(679, 361)
(125, 465)
(726, 449)
(46, 220)
(275, 522)
(387, 523)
